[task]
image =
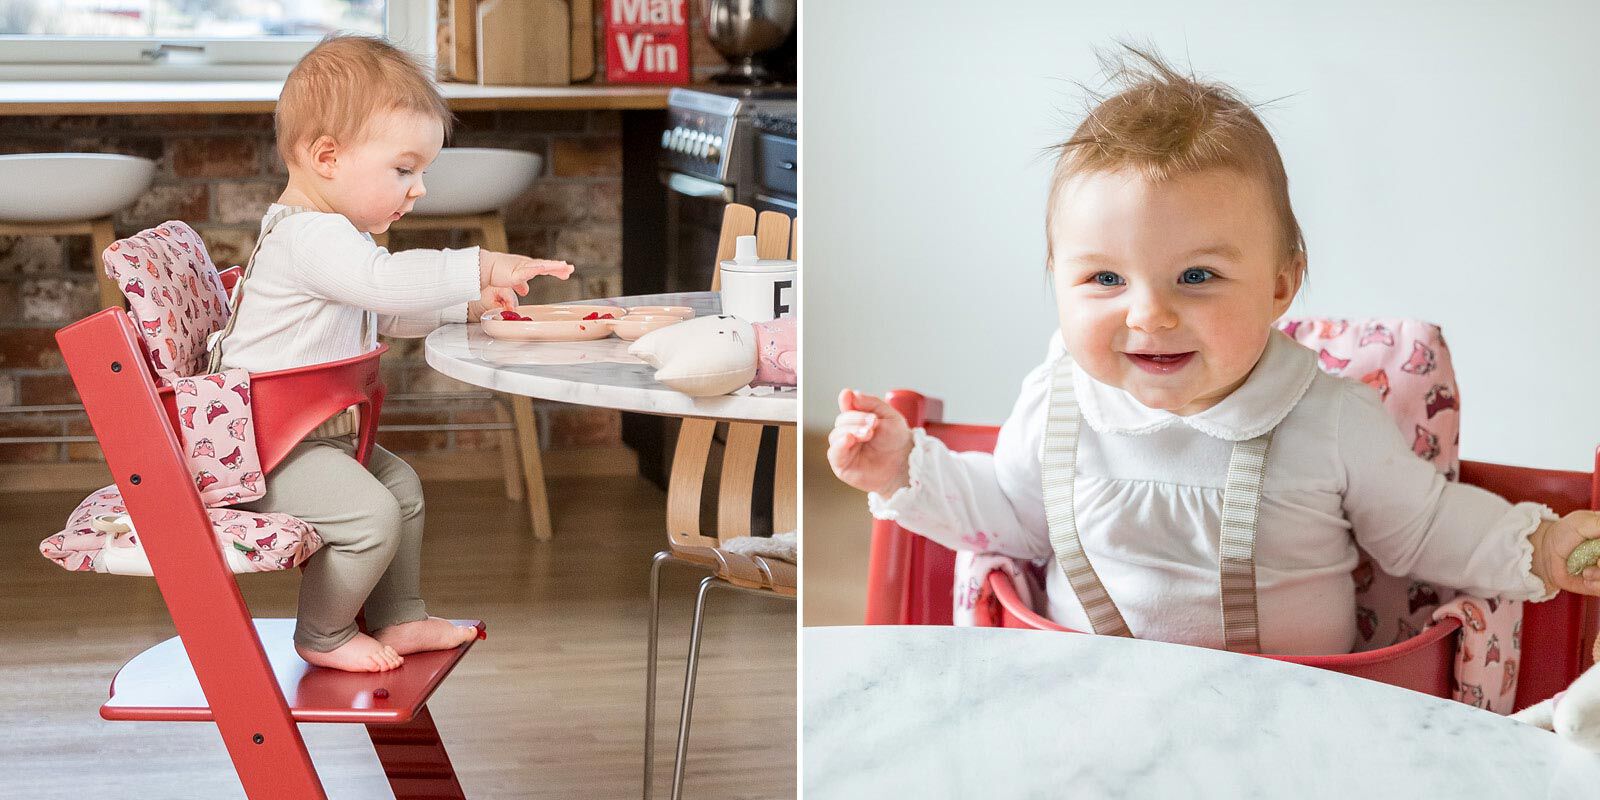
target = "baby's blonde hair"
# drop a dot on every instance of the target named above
(344, 82)
(1162, 125)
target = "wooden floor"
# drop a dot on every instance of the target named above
(550, 705)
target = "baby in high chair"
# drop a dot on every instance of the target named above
(357, 124)
(1169, 421)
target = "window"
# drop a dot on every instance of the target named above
(190, 39)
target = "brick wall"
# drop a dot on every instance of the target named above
(218, 173)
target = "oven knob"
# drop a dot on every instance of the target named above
(666, 140)
(715, 151)
(677, 138)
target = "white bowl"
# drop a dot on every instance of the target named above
(57, 187)
(476, 180)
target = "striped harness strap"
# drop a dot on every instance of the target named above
(1241, 505)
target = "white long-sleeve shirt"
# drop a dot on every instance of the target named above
(315, 278)
(1149, 503)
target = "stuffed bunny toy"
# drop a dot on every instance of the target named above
(716, 355)
(1574, 713)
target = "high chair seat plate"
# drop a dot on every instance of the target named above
(249, 542)
(159, 684)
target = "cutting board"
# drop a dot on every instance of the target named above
(583, 62)
(463, 58)
(524, 43)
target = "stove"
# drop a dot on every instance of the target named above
(718, 147)
(713, 133)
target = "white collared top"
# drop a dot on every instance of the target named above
(1149, 505)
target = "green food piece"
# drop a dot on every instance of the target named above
(1584, 555)
(244, 548)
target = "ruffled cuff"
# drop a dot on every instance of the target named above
(1531, 515)
(908, 496)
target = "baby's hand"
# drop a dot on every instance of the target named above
(492, 298)
(870, 446)
(1566, 543)
(513, 272)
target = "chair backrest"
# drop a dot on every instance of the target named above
(775, 238)
(910, 578)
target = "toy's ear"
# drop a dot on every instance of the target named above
(702, 357)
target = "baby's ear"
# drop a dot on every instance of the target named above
(323, 155)
(1287, 285)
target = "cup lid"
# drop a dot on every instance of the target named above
(759, 265)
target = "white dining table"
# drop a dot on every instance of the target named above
(598, 373)
(938, 711)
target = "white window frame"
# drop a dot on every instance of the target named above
(411, 24)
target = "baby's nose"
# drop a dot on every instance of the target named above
(1150, 312)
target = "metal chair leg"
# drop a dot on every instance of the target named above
(688, 685)
(650, 668)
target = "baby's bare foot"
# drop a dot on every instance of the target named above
(425, 634)
(361, 654)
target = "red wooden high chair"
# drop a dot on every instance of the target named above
(224, 667)
(910, 578)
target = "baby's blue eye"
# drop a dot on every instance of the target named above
(1107, 279)
(403, 171)
(1196, 275)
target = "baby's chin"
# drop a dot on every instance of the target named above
(1166, 398)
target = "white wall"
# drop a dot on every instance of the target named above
(1443, 158)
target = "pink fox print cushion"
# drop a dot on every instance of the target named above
(219, 437)
(174, 296)
(250, 542)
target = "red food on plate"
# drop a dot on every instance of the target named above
(598, 315)
(513, 316)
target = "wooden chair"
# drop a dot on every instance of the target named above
(776, 238)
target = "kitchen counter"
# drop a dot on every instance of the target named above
(19, 98)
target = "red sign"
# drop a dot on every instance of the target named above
(647, 41)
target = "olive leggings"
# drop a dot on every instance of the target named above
(370, 521)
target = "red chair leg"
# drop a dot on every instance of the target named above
(414, 759)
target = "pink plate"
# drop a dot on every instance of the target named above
(545, 326)
(681, 312)
(576, 310)
(633, 326)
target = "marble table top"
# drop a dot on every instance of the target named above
(935, 711)
(607, 377)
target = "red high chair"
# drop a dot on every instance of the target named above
(224, 667)
(910, 578)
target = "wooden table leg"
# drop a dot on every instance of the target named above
(532, 467)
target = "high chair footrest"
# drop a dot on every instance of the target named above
(159, 684)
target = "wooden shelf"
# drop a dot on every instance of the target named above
(19, 98)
